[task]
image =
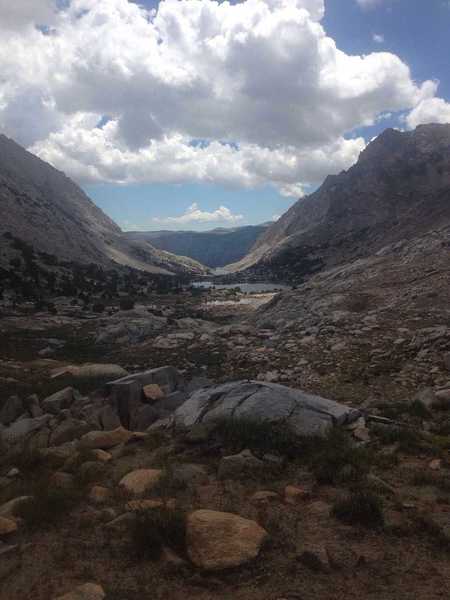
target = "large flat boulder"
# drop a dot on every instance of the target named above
(304, 413)
(130, 402)
(168, 378)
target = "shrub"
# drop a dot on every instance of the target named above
(409, 440)
(360, 508)
(156, 528)
(358, 303)
(98, 307)
(335, 459)
(47, 505)
(126, 304)
(259, 436)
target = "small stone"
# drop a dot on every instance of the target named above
(141, 480)
(171, 558)
(9, 508)
(7, 526)
(143, 505)
(294, 494)
(87, 591)
(104, 440)
(122, 522)
(425, 397)
(14, 472)
(60, 400)
(61, 480)
(99, 494)
(240, 466)
(435, 464)
(187, 473)
(442, 398)
(101, 455)
(152, 391)
(264, 497)
(361, 434)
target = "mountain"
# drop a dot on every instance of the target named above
(214, 248)
(398, 190)
(42, 207)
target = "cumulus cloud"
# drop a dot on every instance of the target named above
(244, 94)
(378, 38)
(430, 110)
(194, 214)
(23, 13)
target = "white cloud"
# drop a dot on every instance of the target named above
(430, 110)
(194, 214)
(260, 75)
(24, 13)
(378, 38)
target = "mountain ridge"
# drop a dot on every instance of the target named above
(43, 207)
(397, 189)
(214, 248)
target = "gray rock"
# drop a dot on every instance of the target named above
(19, 430)
(109, 419)
(168, 379)
(11, 410)
(447, 361)
(190, 474)
(62, 399)
(69, 430)
(31, 403)
(240, 466)
(145, 416)
(304, 413)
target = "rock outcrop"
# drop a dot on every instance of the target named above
(303, 413)
(42, 207)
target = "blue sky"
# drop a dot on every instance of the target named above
(197, 114)
(415, 30)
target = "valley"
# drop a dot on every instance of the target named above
(279, 431)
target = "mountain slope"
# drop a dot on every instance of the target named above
(398, 189)
(42, 207)
(215, 248)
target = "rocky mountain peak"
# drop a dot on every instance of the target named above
(398, 189)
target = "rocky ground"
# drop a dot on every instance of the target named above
(173, 508)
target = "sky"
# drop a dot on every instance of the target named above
(195, 114)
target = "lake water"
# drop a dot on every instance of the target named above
(248, 288)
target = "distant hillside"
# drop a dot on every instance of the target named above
(398, 190)
(42, 207)
(214, 248)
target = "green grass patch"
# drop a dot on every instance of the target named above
(47, 505)
(156, 528)
(335, 459)
(360, 508)
(259, 436)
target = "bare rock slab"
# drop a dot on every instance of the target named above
(305, 414)
(218, 540)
